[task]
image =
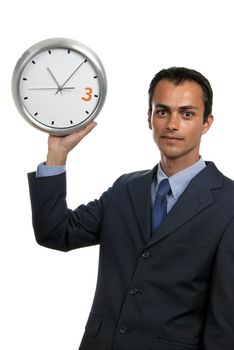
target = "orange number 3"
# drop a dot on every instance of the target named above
(88, 94)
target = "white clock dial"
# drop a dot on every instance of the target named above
(59, 88)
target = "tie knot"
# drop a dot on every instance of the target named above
(164, 187)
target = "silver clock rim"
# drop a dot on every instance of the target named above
(53, 43)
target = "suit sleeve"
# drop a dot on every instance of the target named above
(56, 226)
(219, 325)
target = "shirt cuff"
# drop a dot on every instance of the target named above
(46, 170)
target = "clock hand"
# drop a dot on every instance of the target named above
(53, 77)
(65, 88)
(60, 88)
(73, 73)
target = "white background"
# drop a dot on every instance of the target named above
(45, 295)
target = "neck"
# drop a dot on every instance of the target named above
(172, 166)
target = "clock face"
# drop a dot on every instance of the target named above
(60, 89)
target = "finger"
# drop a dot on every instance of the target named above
(77, 136)
(90, 126)
(87, 129)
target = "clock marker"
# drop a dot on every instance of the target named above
(95, 77)
(68, 51)
(49, 52)
(35, 114)
(25, 79)
(95, 95)
(25, 98)
(33, 62)
(52, 122)
(87, 112)
(71, 121)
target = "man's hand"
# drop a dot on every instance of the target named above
(60, 146)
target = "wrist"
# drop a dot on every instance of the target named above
(54, 159)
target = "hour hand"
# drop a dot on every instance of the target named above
(54, 79)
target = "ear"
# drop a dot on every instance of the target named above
(149, 120)
(207, 124)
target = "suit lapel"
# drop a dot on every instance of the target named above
(196, 197)
(193, 200)
(140, 196)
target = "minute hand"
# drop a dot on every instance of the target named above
(73, 73)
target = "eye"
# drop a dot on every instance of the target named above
(187, 115)
(161, 113)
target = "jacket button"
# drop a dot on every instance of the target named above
(134, 291)
(123, 330)
(146, 254)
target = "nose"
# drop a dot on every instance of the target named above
(173, 122)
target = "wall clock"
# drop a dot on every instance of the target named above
(59, 85)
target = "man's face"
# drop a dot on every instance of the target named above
(177, 119)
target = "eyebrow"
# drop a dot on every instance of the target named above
(181, 107)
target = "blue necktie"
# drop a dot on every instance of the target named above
(159, 210)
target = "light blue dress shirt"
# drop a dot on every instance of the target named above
(46, 170)
(178, 182)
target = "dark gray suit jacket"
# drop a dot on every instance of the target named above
(172, 291)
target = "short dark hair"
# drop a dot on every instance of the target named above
(178, 75)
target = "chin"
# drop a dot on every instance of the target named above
(171, 156)
(170, 153)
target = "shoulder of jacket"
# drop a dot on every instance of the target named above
(129, 177)
(229, 182)
(228, 192)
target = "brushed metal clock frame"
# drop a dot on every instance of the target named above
(58, 43)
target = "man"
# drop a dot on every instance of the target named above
(166, 270)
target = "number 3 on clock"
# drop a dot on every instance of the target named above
(88, 94)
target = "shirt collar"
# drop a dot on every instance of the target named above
(179, 181)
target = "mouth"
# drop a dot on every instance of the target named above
(171, 138)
